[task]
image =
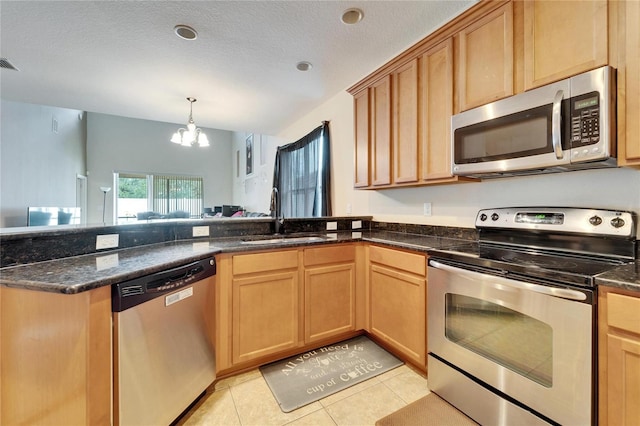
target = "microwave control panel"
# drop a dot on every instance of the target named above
(585, 119)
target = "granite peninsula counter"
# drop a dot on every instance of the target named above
(75, 274)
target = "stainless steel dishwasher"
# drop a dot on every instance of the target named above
(163, 351)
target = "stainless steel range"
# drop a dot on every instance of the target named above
(511, 319)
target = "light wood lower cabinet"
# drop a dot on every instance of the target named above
(265, 304)
(273, 304)
(329, 292)
(619, 357)
(55, 357)
(398, 301)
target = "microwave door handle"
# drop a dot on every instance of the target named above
(562, 293)
(556, 130)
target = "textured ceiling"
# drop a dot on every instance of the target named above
(122, 57)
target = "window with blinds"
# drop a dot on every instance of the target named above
(155, 196)
(177, 195)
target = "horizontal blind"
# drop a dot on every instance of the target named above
(178, 194)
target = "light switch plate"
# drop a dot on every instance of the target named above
(200, 231)
(332, 226)
(356, 224)
(107, 241)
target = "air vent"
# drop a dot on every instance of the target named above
(4, 63)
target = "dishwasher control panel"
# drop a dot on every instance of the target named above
(131, 293)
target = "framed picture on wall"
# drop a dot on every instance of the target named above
(249, 163)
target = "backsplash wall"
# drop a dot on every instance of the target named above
(457, 205)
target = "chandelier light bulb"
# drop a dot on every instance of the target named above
(191, 135)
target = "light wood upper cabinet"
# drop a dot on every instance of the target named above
(405, 119)
(563, 38)
(485, 59)
(436, 90)
(380, 136)
(627, 38)
(361, 128)
(619, 358)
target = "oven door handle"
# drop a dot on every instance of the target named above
(549, 291)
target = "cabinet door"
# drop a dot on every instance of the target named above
(623, 366)
(398, 311)
(485, 59)
(628, 82)
(405, 123)
(329, 301)
(361, 157)
(436, 77)
(265, 312)
(563, 38)
(381, 132)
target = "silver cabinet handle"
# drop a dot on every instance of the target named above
(549, 291)
(556, 130)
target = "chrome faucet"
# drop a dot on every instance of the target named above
(273, 207)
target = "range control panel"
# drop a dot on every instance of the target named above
(574, 220)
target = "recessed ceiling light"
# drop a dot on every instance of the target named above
(352, 16)
(185, 32)
(304, 66)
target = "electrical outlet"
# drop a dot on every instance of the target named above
(348, 209)
(200, 231)
(332, 226)
(427, 209)
(106, 262)
(107, 241)
(356, 224)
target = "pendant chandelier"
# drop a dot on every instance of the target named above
(191, 136)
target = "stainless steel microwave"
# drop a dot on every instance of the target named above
(566, 125)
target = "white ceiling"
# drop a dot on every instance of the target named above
(122, 57)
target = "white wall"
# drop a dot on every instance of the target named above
(38, 167)
(253, 192)
(120, 144)
(457, 205)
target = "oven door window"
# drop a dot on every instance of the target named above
(522, 134)
(516, 341)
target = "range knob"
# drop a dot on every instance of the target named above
(483, 217)
(617, 222)
(595, 220)
(495, 217)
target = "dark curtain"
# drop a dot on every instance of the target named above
(302, 176)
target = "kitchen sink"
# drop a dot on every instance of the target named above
(285, 240)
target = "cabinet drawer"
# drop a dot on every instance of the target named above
(334, 254)
(410, 262)
(267, 261)
(623, 312)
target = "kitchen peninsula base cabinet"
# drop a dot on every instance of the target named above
(619, 357)
(329, 292)
(55, 357)
(274, 304)
(266, 302)
(398, 302)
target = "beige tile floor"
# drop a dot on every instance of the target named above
(246, 400)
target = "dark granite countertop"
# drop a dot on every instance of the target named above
(626, 277)
(76, 274)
